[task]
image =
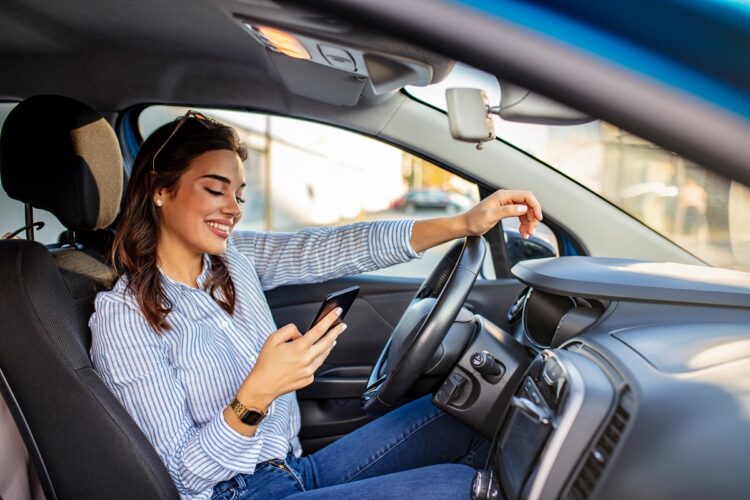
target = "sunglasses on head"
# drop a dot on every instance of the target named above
(199, 117)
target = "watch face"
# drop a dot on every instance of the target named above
(247, 416)
(252, 417)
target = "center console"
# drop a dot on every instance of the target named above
(553, 417)
(543, 417)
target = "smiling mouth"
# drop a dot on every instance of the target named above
(219, 229)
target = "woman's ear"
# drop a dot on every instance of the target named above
(159, 196)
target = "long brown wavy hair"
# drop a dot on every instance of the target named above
(134, 247)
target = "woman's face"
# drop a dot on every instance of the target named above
(200, 214)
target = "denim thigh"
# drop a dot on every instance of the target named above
(443, 482)
(415, 435)
(271, 479)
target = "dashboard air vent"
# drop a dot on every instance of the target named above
(598, 457)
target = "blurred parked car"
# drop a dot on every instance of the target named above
(434, 199)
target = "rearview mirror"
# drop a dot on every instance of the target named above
(469, 115)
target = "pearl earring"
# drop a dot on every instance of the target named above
(158, 203)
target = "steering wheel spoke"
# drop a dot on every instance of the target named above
(423, 326)
(372, 390)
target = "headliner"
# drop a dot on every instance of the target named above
(113, 55)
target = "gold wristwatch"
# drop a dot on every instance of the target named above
(249, 416)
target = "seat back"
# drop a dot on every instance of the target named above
(89, 445)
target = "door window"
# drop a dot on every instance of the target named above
(301, 174)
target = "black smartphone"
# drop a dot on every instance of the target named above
(343, 299)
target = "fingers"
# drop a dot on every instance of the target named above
(528, 225)
(521, 204)
(321, 357)
(527, 229)
(321, 327)
(512, 211)
(322, 349)
(521, 197)
(285, 334)
(327, 340)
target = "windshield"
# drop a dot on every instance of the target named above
(703, 212)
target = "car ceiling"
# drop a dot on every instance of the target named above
(113, 55)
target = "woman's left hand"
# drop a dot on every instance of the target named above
(500, 205)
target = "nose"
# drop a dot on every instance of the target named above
(232, 207)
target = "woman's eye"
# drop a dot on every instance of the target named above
(215, 193)
(240, 200)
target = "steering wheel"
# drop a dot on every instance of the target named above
(423, 326)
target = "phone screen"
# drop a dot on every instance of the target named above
(343, 299)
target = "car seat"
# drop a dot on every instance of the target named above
(60, 155)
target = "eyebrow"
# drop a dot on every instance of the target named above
(220, 178)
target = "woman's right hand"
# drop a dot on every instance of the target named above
(288, 361)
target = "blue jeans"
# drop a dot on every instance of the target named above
(416, 450)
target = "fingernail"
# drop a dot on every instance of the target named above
(343, 326)
(334, 343)
(521, 209)
(339, 311)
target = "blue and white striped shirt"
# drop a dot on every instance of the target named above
(176, 385)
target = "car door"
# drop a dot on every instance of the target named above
(330, 406)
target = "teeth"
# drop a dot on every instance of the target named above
(220, 227)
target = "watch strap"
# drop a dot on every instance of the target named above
(248, 415)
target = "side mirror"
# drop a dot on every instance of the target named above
(518, 249)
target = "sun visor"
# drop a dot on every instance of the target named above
(315, 81)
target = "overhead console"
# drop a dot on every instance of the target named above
(347, 61)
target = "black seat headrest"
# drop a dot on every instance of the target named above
(62, 156)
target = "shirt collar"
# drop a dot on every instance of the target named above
(174, 289)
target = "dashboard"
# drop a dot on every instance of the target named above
(621, 379)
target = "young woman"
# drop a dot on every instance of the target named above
(187, 343)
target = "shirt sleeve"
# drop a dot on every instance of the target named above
(134, 364)
(320, 254)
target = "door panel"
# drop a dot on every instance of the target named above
(330, 406)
